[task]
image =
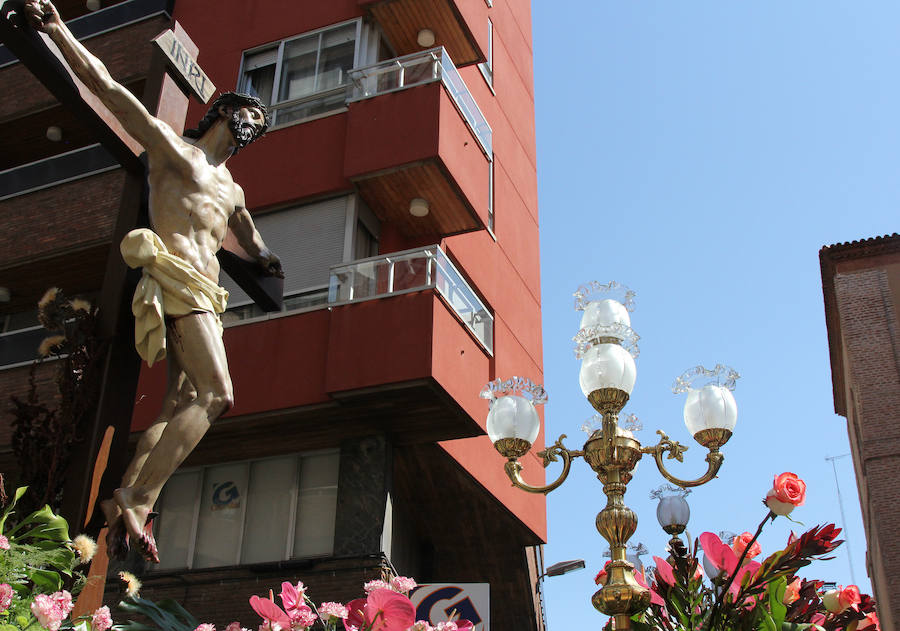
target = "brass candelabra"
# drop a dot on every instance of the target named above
(607, 346)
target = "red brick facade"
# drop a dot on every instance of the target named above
(862, 305)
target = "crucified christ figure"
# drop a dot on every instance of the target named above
(193, 202)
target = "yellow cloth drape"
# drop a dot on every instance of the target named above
(170, 286)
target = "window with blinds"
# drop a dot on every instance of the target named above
(249, 512)
(308, 240)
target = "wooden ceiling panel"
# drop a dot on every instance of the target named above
(389, 194)
(402, 20)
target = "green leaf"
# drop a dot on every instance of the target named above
(767, 623)
(47, 579)
(776, 600)
(19, 493)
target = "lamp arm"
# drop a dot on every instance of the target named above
(676, 450)
(513, 468)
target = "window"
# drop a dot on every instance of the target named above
(249, 512)
(308, 75)
(491, 196)
(487, 68)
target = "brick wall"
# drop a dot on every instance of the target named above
(870, 335)
(125, 52)
(221, 596)
(64, 217)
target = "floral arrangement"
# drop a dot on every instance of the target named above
(39, 573)
(386, 607)
(43, 435)
(740, 594)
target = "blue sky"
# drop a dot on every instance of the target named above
(702, 152)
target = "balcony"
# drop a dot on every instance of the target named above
(415, 131)
(423, 333)
(413, 270)
(460, 26)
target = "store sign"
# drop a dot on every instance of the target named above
(436, 602)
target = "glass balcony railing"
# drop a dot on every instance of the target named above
(418, 69)
(413, 270)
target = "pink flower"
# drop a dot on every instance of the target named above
(792, 592)
(332, 610)
(787, 492)
(235, 626)
(6, 594)
(4, 543)
(302, 618)
(655, 599)
(101, 620)
(205, 627)
(270, 613)
(724, 560)
(51, 610)
(382, 610)
(869, 623)
(292, 596)
(837, 600)
(376, 584)
(664, 571)
(403, 584)
(740, 543)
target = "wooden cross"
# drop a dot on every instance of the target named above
(100, 462)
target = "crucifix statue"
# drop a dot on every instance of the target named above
(193, 202)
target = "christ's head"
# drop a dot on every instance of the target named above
(246, 116)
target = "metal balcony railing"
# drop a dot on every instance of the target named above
(413, 270)
(427, 66)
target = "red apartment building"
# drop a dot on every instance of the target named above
(398, 185)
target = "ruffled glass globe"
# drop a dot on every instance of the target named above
(607, 366)
(605, 313)
(513, 416)
(710, 407)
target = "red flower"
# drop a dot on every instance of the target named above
(740, 542)
(600, 579)
(382, 610)
(787, 492)
(869, 623)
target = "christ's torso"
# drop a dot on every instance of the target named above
(191, 202)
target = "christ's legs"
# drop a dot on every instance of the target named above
(197, 347)
(178, 391)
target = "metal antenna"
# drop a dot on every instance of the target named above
(843, 517)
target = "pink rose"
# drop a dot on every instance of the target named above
(837, 600)
(6, 594)
(333, 610)
(740, 543)
(4, 543)
(792, 592)
(101, 620)
(403, 584)
(787, 492)
(51, 610)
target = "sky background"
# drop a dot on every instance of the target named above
(702, 152)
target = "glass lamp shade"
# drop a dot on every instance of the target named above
(607, 366)
(605, 313)
(635, 560)
(673, 510)
(513, 416)
(710, 407)
(711, 570)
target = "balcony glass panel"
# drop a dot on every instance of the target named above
(417, 69)
(413, 270)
